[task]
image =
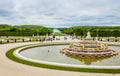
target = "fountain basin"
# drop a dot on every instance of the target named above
(60, 65)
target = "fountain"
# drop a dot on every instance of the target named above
(89, 48)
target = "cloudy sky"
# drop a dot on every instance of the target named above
(60, 13)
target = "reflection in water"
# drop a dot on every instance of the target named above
(54, 55)
(88, 60)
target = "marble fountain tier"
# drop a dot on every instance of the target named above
(88, 48)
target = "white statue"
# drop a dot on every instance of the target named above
(33, 35)
(88, 35)
(97, 38)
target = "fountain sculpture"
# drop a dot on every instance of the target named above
(88, 48)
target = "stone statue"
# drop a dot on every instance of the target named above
(88, 35)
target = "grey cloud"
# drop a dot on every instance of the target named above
(60, 12)
(4, 12)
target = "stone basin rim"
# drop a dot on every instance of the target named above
(17, 54)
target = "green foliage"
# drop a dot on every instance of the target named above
(29, 30)
(4, 26)
(102, 31)
(24, 30)
(59, 34)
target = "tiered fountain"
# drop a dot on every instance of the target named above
(88, 48)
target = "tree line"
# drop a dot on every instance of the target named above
(101, 31)
(29, 30)
(23, 30)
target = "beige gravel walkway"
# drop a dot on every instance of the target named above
(11, 68)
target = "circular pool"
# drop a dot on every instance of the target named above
(52, 54)
(47, 55)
